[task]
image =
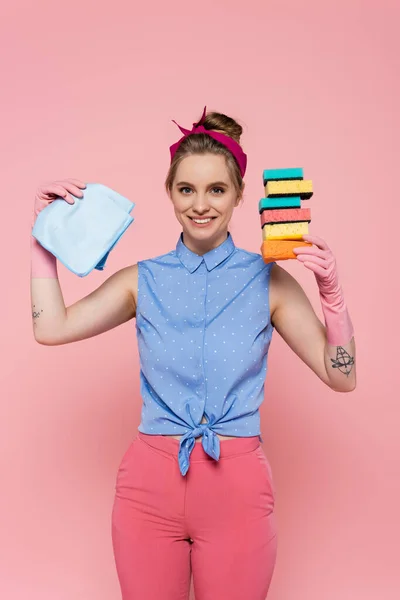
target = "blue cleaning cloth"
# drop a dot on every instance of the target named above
(82, 235)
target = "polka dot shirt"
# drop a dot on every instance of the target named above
(204, 329)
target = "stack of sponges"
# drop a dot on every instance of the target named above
(283, 221)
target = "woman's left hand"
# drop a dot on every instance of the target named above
(319, 259)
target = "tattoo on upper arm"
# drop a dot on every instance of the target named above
(344, 362)
(35, 314)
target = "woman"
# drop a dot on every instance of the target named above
(194, 491)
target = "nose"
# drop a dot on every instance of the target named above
(200, 203)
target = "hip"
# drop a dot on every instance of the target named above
(149, 469)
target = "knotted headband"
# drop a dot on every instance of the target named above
(233, 147)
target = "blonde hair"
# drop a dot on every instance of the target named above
(201, 143)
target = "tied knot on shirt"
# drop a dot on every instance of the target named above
(210, 443)
(201, 429)
(209, 439)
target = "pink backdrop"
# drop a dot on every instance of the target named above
(89, 91)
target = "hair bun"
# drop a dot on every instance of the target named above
(223, 124)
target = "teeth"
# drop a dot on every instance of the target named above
(201, 220)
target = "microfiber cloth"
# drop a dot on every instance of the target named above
(81, 235)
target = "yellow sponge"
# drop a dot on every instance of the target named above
(285, 231)
(302, 188)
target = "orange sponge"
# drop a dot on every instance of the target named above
(273, 250)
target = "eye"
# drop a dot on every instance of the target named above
(220, 189)
(183, 188)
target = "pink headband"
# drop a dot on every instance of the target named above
(227, 141)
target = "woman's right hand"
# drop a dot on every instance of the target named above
(48, 192)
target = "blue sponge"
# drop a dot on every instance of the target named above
(277, 174)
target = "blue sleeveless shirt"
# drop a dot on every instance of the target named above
(204, 329)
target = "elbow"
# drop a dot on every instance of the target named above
(43, 340)
(37, 337)
(345, 389)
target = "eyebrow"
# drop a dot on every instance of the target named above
(215, 183)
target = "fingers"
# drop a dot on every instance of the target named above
(312, 250)
(52, 189)
(315, 268)
(317, 241)
(316, 260)
(71, 187)
(77, 182)
(72, 184)
(63, 189)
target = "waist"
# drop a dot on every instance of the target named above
(247, 425)
(197, 440)
(228, 447)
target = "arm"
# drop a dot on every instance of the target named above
(113, 303)
(296, 321)
(110, 305)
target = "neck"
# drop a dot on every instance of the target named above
(201, 247)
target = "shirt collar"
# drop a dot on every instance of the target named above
(212, 258)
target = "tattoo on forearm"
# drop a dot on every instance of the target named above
(344, 362)
(35, 314)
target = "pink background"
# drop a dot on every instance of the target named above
(89, 91)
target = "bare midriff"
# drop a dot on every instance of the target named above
(221, 437)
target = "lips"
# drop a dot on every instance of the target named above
(201, 218)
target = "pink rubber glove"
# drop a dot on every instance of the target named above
(320, 259)
(43, 263)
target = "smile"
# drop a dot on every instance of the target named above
(202, 221)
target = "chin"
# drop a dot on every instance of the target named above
(202, 232)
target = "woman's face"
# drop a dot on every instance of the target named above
(203, 190)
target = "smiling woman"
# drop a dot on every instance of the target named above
(205, 180)
(205, 316)
(203, 199)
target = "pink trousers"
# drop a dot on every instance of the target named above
(216, 523)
